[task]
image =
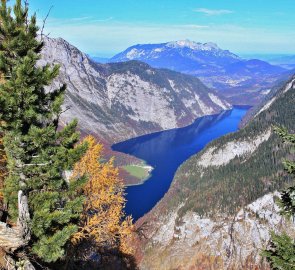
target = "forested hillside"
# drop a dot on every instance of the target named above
(252, 173)
(224, 194)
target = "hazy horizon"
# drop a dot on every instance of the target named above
(105, 28)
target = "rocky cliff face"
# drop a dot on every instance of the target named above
(222, 242)
(221, 206)
(123, 100)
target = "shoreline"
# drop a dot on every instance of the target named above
(141, 181)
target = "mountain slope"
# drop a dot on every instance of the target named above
(239, 79)
(221, 206)
(123, 100)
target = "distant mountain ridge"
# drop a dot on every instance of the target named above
(184, 56)
(223, 70)
(148, 51)
(286, 61)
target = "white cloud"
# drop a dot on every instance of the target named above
(103, 20)
(79, 19)
(213, 12)
(74, 21)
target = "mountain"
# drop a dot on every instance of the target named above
(183, 56)
(286, 61)
(221, 205)
(117, 101)
(243, 81)
(270, 97)
(123, 100)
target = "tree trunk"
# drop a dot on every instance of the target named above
(10, 238)
(13, 238)
(23, 216)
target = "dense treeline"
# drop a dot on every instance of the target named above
(243, 179)
(281, 251)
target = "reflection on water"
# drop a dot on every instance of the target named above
(166, 151)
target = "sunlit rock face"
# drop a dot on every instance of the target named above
(122, 100)
(225, 242)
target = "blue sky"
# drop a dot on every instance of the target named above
(105, 27)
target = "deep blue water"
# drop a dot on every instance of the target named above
(166, 151)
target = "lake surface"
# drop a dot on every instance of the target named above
(165, 151)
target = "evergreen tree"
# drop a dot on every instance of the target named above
(45, 205)
(281, 254)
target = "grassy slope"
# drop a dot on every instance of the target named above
(137, 171)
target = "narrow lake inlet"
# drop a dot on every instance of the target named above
(165, 151)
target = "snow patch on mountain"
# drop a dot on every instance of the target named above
(134, 53)
(158, 50)
(193, 45)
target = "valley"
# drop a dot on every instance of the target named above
(119, 101)
(158, 122)
(167, 150)
(221, 204)
(129, 141)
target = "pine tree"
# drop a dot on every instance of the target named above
(45, 206)
(281, 254)
(102, 223)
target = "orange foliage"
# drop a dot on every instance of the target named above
(103, 217)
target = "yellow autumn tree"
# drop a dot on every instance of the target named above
(103, 221)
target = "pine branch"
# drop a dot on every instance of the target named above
(35, 164)
(44, 22)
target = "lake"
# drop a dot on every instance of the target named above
(165, 151)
